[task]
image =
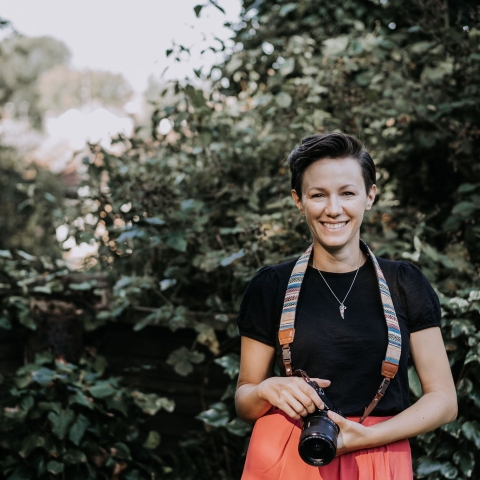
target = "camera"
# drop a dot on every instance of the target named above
(318, 441)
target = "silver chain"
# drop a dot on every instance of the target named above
(342, 306)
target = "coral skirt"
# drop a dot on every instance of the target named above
(273, 455)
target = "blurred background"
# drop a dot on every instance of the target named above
(143, 183)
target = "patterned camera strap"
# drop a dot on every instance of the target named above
(286, 331)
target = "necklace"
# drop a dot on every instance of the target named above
(342, 307)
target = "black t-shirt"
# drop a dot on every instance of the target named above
(348, 351)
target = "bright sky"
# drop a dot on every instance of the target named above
(126, 36)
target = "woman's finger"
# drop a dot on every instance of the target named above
(321, 382)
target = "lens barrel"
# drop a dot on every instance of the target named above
(318, 441)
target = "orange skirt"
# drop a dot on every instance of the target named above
(273, 455)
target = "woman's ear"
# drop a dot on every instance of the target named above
(298, 201)
(371, 197)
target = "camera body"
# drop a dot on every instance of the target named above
(318, 441)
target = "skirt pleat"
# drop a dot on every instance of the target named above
(273, 455)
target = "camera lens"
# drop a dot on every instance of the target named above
(316, 448)
(318, 441)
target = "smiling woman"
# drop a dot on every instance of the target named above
(348, 322)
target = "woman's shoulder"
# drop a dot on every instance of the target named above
(401, 271)
(278, 273)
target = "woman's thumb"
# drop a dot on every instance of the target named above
(338, 419)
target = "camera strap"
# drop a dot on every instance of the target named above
(286, 331)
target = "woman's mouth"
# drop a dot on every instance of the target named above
(334, 226)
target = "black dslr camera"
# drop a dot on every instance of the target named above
(318, 441)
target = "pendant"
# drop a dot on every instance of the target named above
(342, 310)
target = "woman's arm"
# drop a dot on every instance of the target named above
(436, 407)
(257, 390)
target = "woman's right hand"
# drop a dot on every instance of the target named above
(293, 395)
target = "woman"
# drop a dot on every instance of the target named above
(337, 332)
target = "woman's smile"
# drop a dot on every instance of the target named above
(334, 226)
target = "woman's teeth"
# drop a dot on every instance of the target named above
(334, 226)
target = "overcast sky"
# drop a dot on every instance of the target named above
(125, 36)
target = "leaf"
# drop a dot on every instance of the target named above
(80, 399)
(84, 286)
(238, 427)
(216, 416)
(449, 471)
(414, 382)
(30, 443)
(283, 100)
(60, 423)
(197, 9)
(78, 429)
(182, 360)
(44, 376)
(466, 462)
(150, 403)
(464, 209)
(5, 323)
(131, 234)
(287, 67)
(231, 258)
(471, 430)
(153, 440)
(230, 364)
(177, 241)
(102, 390)
(287, 8)
(157, 221)
(55, 467)
(74, 456)
(121, 450)
(426, 466)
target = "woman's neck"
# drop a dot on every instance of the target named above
(337, 261)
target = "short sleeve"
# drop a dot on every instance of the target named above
(259, 313)
(420, 300)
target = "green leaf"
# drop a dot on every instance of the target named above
(471, 430)
(230, 364)
(287, 8)
(283, 100)
(426, 466)
(80, 399)
(238, 427)
(150, 403)
(30, 443)
(61, 422)
(50, 407)
(84, 286)
(102, 390)
(216, 416)
(5, 323)
(177, 241)
(449, 471)
(78, 429)
(74, 456)
(466, 462)
(121, 451)
(414, 382)
(153, 440)
(44, 376)
(197, 9)
(55, 467)
(287, 67)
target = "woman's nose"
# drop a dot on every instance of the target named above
(334, 207)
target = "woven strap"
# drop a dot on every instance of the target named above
(286, 331)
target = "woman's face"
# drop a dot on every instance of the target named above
(334, 201)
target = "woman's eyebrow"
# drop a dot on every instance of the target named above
(348, 185)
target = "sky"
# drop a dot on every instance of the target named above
(126, 36)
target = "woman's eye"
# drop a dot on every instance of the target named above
(348, 193)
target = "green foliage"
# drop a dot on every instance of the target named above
(23, 60)
(31, 205)
(58, 418)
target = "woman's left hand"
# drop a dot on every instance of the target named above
(352, 436)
